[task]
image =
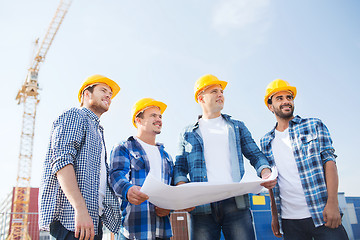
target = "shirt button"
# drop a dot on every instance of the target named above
(204, 176)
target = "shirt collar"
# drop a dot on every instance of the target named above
(196, 125)
(92, 116)
(296, 120)
(131, 138)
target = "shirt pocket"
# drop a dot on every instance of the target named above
(308, 138)
(136, 161)
(309, 144)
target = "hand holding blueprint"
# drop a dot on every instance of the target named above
(198, 193)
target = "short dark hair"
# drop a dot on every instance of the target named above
(269, 101)
(140, 115)
(90, 89)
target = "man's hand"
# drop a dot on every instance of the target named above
(265, 174)
(84, 226)
(331, 215)
(136, 197)
(275, 227)
(161, 212)
(186, 209)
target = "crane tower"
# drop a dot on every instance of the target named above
(28, 95)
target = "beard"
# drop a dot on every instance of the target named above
(284, 115)
(157, 132)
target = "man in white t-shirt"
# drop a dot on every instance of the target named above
(305, 198)
(131, 162)
(211, 150)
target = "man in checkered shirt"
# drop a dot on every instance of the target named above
(131, 161)
(75, 198)
(305, 199)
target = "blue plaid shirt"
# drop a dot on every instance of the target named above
(312, 148)
(75, 140)
(191, 159)
(129, 166)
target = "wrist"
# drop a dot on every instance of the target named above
(332, 201)
(79, 207)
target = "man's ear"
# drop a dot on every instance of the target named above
(200, 98)
(137, 121)
(86, 93)
(271, 108)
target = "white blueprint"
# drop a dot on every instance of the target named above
(198, 193)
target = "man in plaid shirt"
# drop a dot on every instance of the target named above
(131, 162)
(75, 197)
(305, 198)
(211, 150)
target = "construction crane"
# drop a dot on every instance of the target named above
(29, 96)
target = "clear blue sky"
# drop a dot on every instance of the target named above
(159, 48)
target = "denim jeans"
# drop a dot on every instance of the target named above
(59, 232)
(226, 217)
(303, 229)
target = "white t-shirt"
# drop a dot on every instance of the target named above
(103, 179)
(154, 157)
(293, 203)
(215, 135)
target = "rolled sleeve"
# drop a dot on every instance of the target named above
(258, 171)
(328, 155)
(327, 152)
(65, 140)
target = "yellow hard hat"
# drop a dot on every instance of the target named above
(278, 85)
(99, 79)
(144, 103)
(207, 80)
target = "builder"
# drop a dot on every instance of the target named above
(306, 193)
(75, 197)
(131, 161)
(211, 150)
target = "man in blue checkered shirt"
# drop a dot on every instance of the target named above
(75, 198)
(131, 162)
(211, 150)
(305, 198)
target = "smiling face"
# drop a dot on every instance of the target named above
(212, 99)
(282, 105)
(150, 121)
(99, 100)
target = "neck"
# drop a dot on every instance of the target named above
(94, 110)
(210, 115)
(147, 138)
(98, 112)
(283, 123)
